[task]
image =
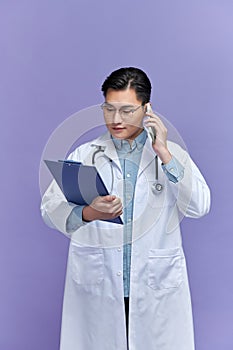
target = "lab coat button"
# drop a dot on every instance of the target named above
(119, 249)
(119, 273)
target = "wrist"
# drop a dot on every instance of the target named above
(165, 156)
(88, 213)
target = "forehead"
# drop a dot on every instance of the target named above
(122, 96)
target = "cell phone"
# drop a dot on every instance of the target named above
(151, 129)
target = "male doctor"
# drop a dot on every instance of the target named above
(127, 285)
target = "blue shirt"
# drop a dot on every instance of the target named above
(129, 156)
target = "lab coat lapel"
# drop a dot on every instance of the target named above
(148, 156)
(105, 141)
(109, 149)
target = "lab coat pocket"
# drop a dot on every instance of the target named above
(87, 265)
(164, 268)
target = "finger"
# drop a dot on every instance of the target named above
(156, 126)
(117, 208)
(152, 113)
(112, 207)
(116, 204)
(153, 116)
(118, 213)
(109, 198)
(155, 120)
(116, 200)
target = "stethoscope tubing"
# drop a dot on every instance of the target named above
(156, 187)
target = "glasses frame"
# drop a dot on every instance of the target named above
(119, 110)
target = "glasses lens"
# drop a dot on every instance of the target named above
(125, 112)
(109, 111)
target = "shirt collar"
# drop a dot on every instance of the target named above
(138, 142)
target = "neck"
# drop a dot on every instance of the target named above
(134, 137)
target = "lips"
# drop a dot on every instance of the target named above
(117, 128)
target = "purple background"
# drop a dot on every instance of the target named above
(54, 56)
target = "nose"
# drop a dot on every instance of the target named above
(117, 117)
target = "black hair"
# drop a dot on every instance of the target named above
(130, 77)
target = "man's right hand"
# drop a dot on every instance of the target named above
(103, 208)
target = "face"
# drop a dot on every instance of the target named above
(126, 127)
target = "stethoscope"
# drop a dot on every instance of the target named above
(157, 187)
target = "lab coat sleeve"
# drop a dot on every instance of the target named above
(191, 192)
(74, 220)
(55, 209)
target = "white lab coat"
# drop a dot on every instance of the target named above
(160, 313)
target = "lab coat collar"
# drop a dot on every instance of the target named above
(105, 141)
(109, 149)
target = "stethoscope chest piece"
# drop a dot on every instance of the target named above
(157, 188)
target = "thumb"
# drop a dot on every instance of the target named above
(109, 198)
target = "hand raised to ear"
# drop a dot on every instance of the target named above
(160, 143)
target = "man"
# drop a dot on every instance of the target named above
(129, 282)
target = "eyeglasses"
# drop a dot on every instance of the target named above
(125, 112)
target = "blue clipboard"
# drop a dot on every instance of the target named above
(79, 183)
